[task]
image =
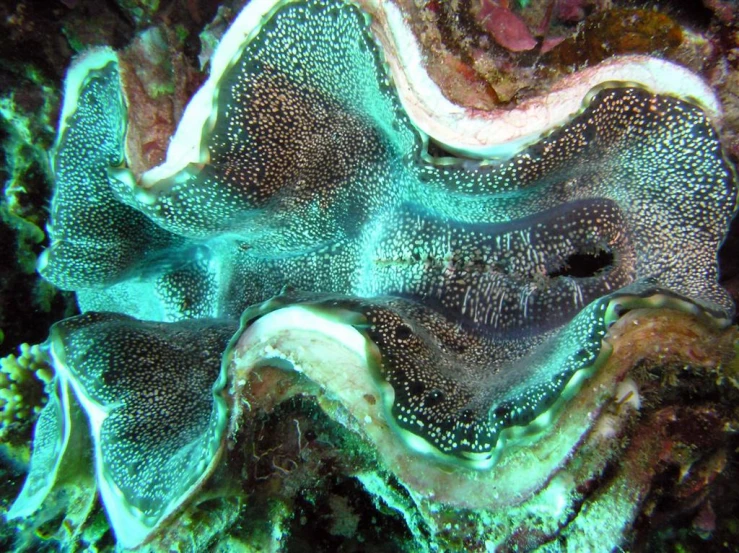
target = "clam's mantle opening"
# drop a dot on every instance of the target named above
(453, 314)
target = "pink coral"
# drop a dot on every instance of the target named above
(570, 10)
(506, 28)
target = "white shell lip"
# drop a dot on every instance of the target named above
(495, 135)
(503, 132)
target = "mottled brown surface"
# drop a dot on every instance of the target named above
(683, 446)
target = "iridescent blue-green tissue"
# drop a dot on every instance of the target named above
(311, 289)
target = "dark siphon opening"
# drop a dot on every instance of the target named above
(584, 265)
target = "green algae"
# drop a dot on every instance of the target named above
(29, 129)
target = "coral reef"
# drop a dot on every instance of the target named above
(24, 379)
(339, 311)
(25, 122)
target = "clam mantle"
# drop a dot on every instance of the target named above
(449, 312)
